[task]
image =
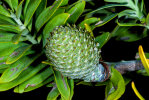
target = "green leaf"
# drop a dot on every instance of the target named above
(17, 54)
(25, 6)
(19, 9)
(3, 65)
(5, 37)
(3, 59)
(12, 3)
(103, 7)
(109, 89)
(65, 2)
(40, 8)
(71, 85)
(36, 80)
(31, 8)
(48, 80)
(10, 28)
(2, 70)
(17, 37)
(118, 85)
(84, 83)
(62, 85)
(90, 21)
(25, 75)
(102, 39)
(123, 33)
(129, 24)
(102, 83)
(56, 21)
(76, 11)
(16, 68)
(30, 25)
(106, 20)
(128, 13)
(53, 94)
(118, 1)
(4, 12)
(8, 48)
(147, 21)
(46, 15)
(7, 20)
(57, 12)
(142, 5)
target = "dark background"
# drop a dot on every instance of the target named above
(112, 51)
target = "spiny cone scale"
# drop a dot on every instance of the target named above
(74, 53)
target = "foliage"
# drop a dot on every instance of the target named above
(25, 26)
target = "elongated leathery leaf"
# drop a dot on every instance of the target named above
(71, 85)
(10, 28)
(17, 54)
(12, 3)
(25, 75)
(3, 65)
(3, 11)
(57, 12)
(40, 8)
(37, 79)
(5, 37)
(89, 21)
(3, 58)
(106, 20)
(118, 85)
(7, 20)
(102, 39)
(48, 80)
(76, 11)
(16, 68)
(101, 8)
(147, 21)
(53, 94)
(46, 14)
(65, 2)
(56, 21)
(62, 85)
(19, 9)
(31, 8)
(118, 1)
(129, 24)
(17, 37)
(25, 6)
(8, 48)
(2, 70)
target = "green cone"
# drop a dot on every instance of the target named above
(73, 52)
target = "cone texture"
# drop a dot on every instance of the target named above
(72, 51)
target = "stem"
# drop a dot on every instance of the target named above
(18, 21)
(102, 71)
(23, 28)
(127, 66)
